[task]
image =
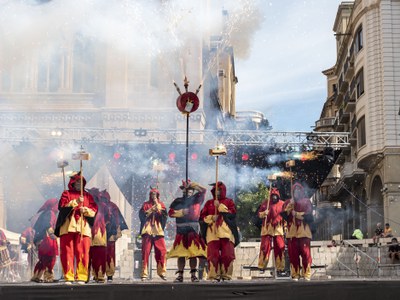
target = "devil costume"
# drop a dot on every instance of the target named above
(46, 241)
(98, 248)
(298, 212)
(188, 244)
(221, 233)
(74, 223)
(272, 231)
(153, 217)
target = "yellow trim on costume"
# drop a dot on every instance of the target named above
(269, 229)
(71, 225)
(155, 229)
(89, 212)
(177, 213)
(181, 251)
(99, 239)
(302, 231)
(299, 215)
(209, 219)
(262, 214)
(73, 203)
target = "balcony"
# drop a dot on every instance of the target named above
(338, 126)
(348, 70)
(351, 54)
(335, 191)
(353, 140)
(343, 84)
(338, 99)
(344, 117)
(349, 103)
(324, 123)
(350, 173)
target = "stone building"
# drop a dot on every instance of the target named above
(363, 93)
(104, 88)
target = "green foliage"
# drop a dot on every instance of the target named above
(247, 204)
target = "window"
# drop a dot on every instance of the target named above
(359, 83)
(362, 140)
(83, 65)
(49, 73)
(358, 40)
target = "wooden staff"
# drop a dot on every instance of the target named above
(219, 150)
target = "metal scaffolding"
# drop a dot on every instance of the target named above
(111, 136)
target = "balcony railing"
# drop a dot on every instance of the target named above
(324, 122)
(349, 103)
(348, 69)
(344, 117)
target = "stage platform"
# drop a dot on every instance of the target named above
(237, 289)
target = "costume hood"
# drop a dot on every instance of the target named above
(221, 188)
(74, 178)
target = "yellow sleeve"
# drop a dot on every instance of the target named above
(209, 219)
(177, 213)
(222, 208)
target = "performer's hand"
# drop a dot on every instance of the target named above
(80, 199)
(185, 211)
(216, 203)
(193, 185)
(53, 236)
(293, 213)
(83, 210)
(215, 217)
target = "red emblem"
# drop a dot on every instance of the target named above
(187, 102)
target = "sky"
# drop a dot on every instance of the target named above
(281, 77)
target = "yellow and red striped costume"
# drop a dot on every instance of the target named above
(272, 231)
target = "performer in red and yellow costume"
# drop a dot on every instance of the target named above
(98, 248)
(46, 241)
(188, 244)
(272, 232)
(74, 222)
(114, 231)
(153, 217)
(298, 212)
(218, 218)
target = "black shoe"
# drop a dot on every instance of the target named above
(163, 277)
(180, 276)
(109, 278)
(193, 276)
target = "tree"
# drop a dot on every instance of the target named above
(247, 204)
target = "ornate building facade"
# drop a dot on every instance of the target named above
(363, 99)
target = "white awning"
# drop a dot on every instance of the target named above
(12, 237)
